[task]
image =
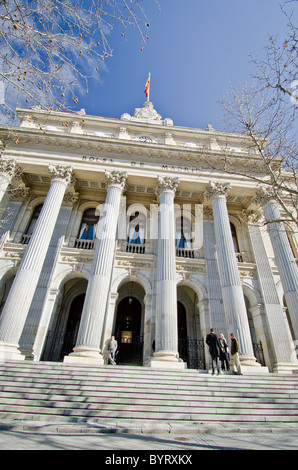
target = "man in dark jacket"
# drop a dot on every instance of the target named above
(214, 349)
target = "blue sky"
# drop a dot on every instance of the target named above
(196, 50)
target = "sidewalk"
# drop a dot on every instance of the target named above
(39, 436)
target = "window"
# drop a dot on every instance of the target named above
(235, 242)
(183, 233)
(88, 225)
(34, 218)
(137, 229)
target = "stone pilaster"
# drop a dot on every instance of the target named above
(284, 257)
(88, 343)
(18, 303)
(232, 293)
(166, 334)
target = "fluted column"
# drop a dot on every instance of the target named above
(233, 299)
(87, 347)
(17, 305)
(282, 351)
(166, 330)
(8, 170)
(284, 257)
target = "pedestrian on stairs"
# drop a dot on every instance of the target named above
(214, 349)
(224, 355)
(235, 352)
(112, 350)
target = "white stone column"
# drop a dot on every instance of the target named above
(166, 330)
(18, 303)
(87, 347)
(8, 170)
(232, 293)
(283, 357)
(284, 257)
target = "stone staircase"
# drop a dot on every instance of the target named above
(113, 398)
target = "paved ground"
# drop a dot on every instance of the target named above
(178, 444)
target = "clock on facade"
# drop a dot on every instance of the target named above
(144, 138)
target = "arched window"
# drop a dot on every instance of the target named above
(33, 220)
(88, 225)
(183, 233)
(137, 229)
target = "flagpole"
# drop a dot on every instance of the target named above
(149, 88)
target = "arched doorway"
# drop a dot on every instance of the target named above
(191, 345)
(128, 331)
(72, 325)
(62, 334)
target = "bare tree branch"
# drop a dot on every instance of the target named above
(50, 48)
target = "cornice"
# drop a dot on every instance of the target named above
(15, 138)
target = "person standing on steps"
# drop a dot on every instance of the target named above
(214, 350)
(235, 352)
(224, 353)
(112, 348)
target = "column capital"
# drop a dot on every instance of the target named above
(61, 173)
(116, 178)
(215, 190)
(167, 183)
(264, 195)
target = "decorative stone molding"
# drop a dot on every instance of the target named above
(61, 173)
(166, 183)
(71, 198)
(116, 178)
(133, 264)
(21, 193)
(252, 217)
(8, 169)
(215, 190)
(208, 212)
(147, 114)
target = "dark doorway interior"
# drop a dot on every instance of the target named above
(61, 341)
(72, 326)
(128, 332)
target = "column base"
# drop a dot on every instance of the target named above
(247, 361)
(166, 360)
(285, 368)
(254, 370)
(250, 366)
(83, 355)
(10, 352)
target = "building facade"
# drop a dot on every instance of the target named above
(133, 227)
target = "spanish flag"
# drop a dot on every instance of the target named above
(147, 86)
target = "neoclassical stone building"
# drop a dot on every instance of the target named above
(131, 227)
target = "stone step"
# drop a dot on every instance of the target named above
(129, 397)
(55, 392)
(146, 405)
(61, 369)
(44, 414)
(109, 374)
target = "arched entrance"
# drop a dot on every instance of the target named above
(191, 346)
(62, 335)
(72, 326)
(128, 331)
